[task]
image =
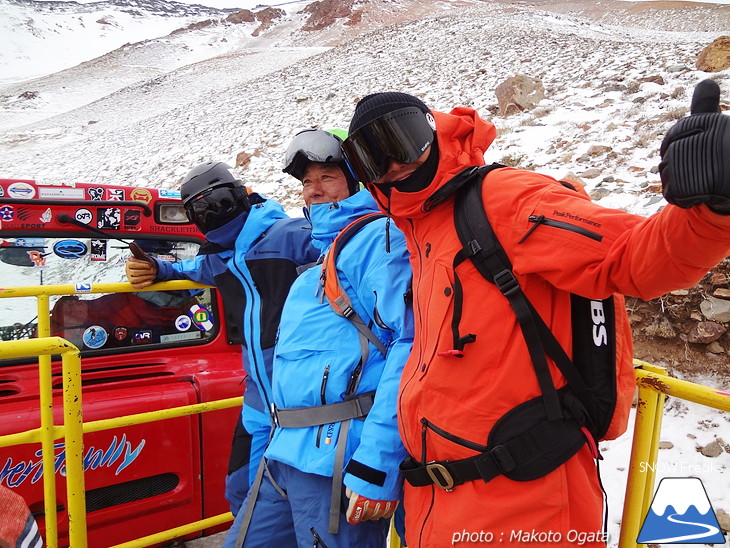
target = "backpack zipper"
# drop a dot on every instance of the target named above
(542, 220)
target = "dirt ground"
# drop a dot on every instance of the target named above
(680, 357)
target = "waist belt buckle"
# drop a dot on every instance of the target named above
(440, 476)
(274, 416)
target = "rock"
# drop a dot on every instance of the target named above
(656, 79)
(680, 292)
(716, 56)
(677, 68)
(599, 193)
(712, 450)
(716, 309)
(705, 332)
(598, 150)
(242, 16)
(718, 278)
(324, 13)
(661, 327)
(723, 519)
(242, 159)
(666, 445)
(696, 316)
(29, 95)
(715, 348)
(721, 293)
(518, 93)
(590, 173)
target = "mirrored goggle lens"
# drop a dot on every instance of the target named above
(220, 201)
(403, 136)
(311, 146)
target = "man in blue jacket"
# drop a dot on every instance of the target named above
(331, 474)
(251, 255)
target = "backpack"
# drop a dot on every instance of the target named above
(535, 437)
(333, 291)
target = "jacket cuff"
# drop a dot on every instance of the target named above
(366, 473)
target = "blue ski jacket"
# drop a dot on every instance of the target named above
(253, 261)
(317, 352)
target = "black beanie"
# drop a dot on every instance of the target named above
(376, 105)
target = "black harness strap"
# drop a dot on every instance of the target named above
(489, 258)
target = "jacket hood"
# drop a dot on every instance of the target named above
(463, 137)
(329, 219)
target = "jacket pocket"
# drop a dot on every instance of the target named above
(435, 316)
(563, 225)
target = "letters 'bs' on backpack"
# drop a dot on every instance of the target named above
(534, 438)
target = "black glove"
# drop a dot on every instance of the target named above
(695, 166)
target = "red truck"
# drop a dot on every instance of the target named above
(140, 351)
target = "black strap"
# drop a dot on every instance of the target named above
(514, 457)
(482, 247)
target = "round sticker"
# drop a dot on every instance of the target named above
(183, 323)
(21, 190)
(120, 332)
(201, 317)
(83, 215)
(94, 336)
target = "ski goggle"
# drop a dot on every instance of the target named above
(311, 145)
(402, 135)
(215, 207)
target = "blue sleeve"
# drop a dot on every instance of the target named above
(202, 269)
(385, 283)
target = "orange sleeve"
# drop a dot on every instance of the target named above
(579, 246)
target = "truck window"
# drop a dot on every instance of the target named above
(101, 323)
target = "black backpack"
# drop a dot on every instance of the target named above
(535, 437)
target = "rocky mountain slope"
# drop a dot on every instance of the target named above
(235, 85)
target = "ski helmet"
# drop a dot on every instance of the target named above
(319, 146)
(212, 195)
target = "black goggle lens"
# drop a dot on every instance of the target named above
(403, 136)
(213, 208)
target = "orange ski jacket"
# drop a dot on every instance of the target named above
(558, 242)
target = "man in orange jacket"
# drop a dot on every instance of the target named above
(559, 242)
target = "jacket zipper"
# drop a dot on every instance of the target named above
(542, 220)
(322, 398)
(256, 365)
(426, 424)
(416, 309)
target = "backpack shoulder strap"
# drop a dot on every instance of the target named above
(481, 246)
(336, 296)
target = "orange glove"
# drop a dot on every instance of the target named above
(362, 509)
(140, 273)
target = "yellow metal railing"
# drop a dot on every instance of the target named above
(653, 382)
(73, 428)
(654, 385)
(47, 433)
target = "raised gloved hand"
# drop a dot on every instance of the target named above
(363, 509)
(140, 273)
(695, 166)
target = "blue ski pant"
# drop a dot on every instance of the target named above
(291, 521)
(247, 450)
